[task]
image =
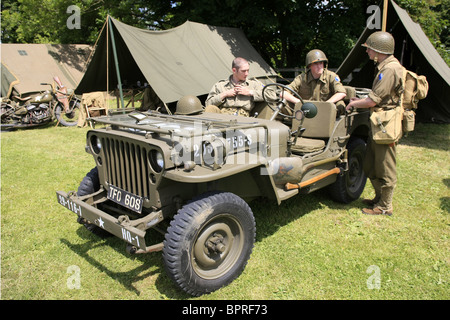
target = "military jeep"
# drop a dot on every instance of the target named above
(196, 175)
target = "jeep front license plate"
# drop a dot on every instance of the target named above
(125, 198)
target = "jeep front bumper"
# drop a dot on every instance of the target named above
(102, 220)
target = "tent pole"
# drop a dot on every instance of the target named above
(116, 62)
(107, 59)
(385, 7)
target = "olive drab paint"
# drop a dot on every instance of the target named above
(199, 174)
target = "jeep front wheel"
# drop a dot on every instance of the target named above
(89, 185)
(209, 242)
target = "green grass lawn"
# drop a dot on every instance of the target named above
(309, 247)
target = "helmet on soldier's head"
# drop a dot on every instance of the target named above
(315, 55)
(381, 42)
(189, 105)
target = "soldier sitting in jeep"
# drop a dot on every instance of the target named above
(237, 94)
(318, 83)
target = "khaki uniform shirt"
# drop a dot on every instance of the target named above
(386, 85)
(320, 89)
(239, 101)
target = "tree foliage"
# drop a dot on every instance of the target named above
(282, 31)
(434, 18)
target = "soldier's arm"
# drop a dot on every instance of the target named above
(361, 103)
(337, 97)
(338, 89)
(218, 95)
(294, 85)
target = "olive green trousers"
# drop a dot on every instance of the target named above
(380, 166)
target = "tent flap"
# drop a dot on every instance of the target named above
(186, 60)
(8, 81)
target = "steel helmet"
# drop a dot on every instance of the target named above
(315, 55)
(380, 41)
(189, 105)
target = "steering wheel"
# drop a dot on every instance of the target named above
(280, 101)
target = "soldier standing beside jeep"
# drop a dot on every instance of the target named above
(380, 159)
(235, 95)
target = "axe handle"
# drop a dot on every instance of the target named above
(291, 186)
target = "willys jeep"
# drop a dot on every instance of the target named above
(195, 175)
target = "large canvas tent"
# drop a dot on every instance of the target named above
(414, 50)
(26, 66)
(186, 60)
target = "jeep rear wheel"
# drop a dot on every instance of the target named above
(350, 184)
(209, 242)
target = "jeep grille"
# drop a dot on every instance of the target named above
(127, 166)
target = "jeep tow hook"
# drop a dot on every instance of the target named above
(134, 250)
(81, 220)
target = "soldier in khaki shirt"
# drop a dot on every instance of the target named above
(235, 95)
(318, 83)
(380, 159)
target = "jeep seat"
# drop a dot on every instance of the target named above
(317, 129)
(305, 145)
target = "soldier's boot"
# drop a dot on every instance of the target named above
(377, 187)
(384, 205)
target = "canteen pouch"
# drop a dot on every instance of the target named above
(409, 120)
(386, 125)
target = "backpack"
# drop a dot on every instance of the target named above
(415, 88)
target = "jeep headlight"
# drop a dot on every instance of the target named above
(214, 151)
(156, 160)
(96, 144)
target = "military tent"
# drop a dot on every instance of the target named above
(186, 60)
(26, 66)
(414, 50)
(8, 81)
